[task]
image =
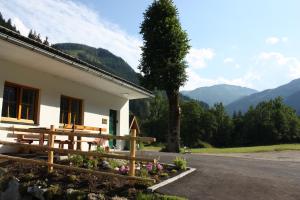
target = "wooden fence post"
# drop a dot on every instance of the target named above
(132, 152)
(51, 153)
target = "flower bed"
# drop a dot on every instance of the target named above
(63, 184)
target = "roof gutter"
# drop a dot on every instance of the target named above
(75, 64)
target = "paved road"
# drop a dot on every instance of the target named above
(234, 178)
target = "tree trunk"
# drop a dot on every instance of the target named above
(173, 144)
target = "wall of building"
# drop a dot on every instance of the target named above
(96, 104)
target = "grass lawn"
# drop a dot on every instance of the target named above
(279, 147)
(255, 149)
(151, 148)
(141, 196)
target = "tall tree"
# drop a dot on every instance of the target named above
(162, 64)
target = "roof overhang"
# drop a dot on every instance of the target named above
(27, 55)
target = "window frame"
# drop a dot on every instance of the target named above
(19, 119)
(81, 110)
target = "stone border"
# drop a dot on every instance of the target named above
(175, 178)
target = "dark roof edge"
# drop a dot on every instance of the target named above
(18, 39)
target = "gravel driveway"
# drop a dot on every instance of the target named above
(256, 176)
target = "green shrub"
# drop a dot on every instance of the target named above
(202, 144)
(141, 146)
(100, 149)
(28, 176)
(144, 173)
(180, 163)
(116, 163)
(164, 175)
(77, 160)
(92, 164)
(76, 195)
(72, 178)
(53, 192)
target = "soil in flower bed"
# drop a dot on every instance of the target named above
(61, 181)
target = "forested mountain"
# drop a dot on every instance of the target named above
(101, 58)
(294, 101)
(289, 92)
(219, 93)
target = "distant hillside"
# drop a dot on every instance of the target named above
(289, 92)
(294, 101)
(101, 58)
(219, 93)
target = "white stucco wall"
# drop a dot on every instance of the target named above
(96, 104)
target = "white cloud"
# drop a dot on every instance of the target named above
(284, 39)
(275, 40)
(291, 65)
(24, 30)
(67, 21)
(272, 40)
(230, 61)
(197, 58)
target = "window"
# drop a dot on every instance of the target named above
(70, 111)
(19, 103)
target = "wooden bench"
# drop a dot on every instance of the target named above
(97, 142)
(22, 139)
(72, 141)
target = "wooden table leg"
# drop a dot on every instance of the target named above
(71, 144)
(78, 144)
(41, 139)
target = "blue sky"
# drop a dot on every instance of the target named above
(249, 43)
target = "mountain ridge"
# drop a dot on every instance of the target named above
(287, 92)
(224, 93)
(101, 58)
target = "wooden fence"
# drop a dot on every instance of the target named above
(132, 158)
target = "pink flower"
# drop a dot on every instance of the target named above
(149, 167)
(124, 170)
(159, 167)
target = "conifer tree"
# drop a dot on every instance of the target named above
(46, 41)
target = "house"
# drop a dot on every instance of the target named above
(41, 86)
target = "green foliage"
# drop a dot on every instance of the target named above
(100, 149)
(53, 192)
(116, 162)
(92, 163)
(156, 125)
(72, 178)
(162, 64)
(191, 129)
(77, 160)
(269, 122)
(76, 195)
(37, 37)
(164, 174)
(144, 173)
(164, 49)
(28, 176)
(180, 163)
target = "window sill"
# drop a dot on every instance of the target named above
(17, 121)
